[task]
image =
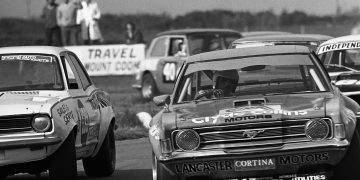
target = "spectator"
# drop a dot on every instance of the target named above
(91, 33)
(133, 36)
(66, 17)
(51, 27)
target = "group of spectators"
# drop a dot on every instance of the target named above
(76, 22)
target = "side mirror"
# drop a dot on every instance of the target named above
(162, 100)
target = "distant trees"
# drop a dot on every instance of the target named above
(29, 32)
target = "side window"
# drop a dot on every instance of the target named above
(177, 47)
(72, 82)
(84, 78)
(159, 48)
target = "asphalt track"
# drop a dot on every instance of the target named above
(133, 162)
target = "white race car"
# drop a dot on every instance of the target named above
(51, 115)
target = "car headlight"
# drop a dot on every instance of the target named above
(317, 129)
(187, 140)
(41, 123)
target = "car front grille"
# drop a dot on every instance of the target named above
(255, 135)
(12, 124)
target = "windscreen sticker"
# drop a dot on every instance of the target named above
(37, 58)
(339, 46)
(247, 113)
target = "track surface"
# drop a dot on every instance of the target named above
(133, 162)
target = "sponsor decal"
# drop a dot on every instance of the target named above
(246, 113)
(65, 112)
(155, 132)
(241, 118)
(204, 167)
(310, 177)
(43, 59)
(83, 122)
(94, 132)
(339, 46)
(254, 164)
(303, 158)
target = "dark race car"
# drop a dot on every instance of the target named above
(261, 112)
(341, 58)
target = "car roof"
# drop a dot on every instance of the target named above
(262, 33)
(32, 49)
(198, 30)
(285, 37)
(342, 39)
(248, 51)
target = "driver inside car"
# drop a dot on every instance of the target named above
(224, 85)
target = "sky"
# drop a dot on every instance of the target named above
(18, 8)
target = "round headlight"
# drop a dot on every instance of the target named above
(317, 129)
(187, 140)
(41, 123)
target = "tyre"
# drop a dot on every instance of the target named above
(103, 164)
(348, 168)
(158, 172)
(148, 87)
(63, 161)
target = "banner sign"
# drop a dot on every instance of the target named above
(339, 46)
(104, 60)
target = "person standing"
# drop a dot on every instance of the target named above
(133, 36)
(91, 14)
(66, 17)
(51, 26)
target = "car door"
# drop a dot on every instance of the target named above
(86, 105)
(168, 67)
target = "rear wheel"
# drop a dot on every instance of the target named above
(158, 172)
(103, 164)
(63, 161)
(348, 168)
(148, 88)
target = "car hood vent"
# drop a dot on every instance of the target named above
(250, 102)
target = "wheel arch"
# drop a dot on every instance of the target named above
(104, 128)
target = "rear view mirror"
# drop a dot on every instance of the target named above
(162, 100)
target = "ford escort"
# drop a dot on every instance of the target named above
(52, 115)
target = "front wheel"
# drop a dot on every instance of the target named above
(103, 164)
(63, 161)
(148, 87)
(348, 168)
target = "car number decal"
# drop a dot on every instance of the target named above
(169, 72)
(347, 82)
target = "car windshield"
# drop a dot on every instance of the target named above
(20, 72)
(265, 75)
(199, 43)
(341, 60)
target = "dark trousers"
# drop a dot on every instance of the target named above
(68, 34)
(52, 34)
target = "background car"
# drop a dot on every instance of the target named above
(341, 58)
(167, 52)
(268, 112)
(51, 115)
(310, 40)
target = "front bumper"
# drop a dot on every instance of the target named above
(257, 164)
(25, 148)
